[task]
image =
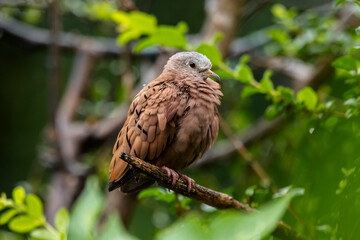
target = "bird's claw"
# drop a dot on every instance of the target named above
(172, 173)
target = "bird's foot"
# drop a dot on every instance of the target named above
(174, 174)
(171, 173)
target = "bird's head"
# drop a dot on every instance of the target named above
(192, 63)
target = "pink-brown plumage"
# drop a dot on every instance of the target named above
(171, 122)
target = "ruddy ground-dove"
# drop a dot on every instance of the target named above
(171, 122)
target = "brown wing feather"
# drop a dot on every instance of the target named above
(150, 126)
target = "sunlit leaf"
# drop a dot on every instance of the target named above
(62, 220)
(308, 97)
(279, 11)
(166, 36)
(18, 195)
(134, 25)
(24, 224)
(42, 234)
(128, 36)
(101, 10)
(7, 215)
(34, 206)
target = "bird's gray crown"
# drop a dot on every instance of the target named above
(190, 62)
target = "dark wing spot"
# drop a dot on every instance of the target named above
(186, 109)
(117, 144)
(159, 83)
(114, 163)
(145, 96)
(145, 132)
(136, 155)
(128, 141)
(139, 127)
(137, 112)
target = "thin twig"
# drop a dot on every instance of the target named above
(54, 59)
(242, 150)
(202, 194)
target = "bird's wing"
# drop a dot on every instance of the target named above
(149, 128)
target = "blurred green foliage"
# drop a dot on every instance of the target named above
(24, 214)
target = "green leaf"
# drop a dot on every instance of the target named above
(101, 10)
(142, 22)
(279, 11)
(223, 74)
(62, 220)
(212, 52)
(86, 211)
(150, 192)
(114, 229)
(134, 25)
(249, 91)
(279, 35)
(6, 216)
(189, 228)
(18, 195)
(121, 18)
(338, 2)
(217, 37)
(237, 225)
(266, 85)
(244, 73)
(357, 3)
(308, 97)
(42, 234)
(346, 62)
(34, 206)
(160, 194)
(167, 36)
(272, 112)
(24, 224)
(128, 36)
(285, 94)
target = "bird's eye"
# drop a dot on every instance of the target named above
(192, 64)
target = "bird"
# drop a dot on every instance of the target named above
(171, 122)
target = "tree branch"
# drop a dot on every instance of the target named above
(202, 194)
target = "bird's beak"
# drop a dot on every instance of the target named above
(211, 74)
